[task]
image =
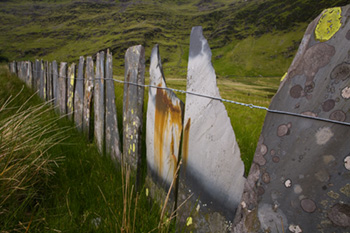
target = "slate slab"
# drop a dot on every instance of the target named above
(88, 93)
(79, 96)
(300, 177)
(112, 132)
(55, 83)
(212, 170)
(70, 90)
(133, 105)
(99, 102)
(163, 134)
(62, 88)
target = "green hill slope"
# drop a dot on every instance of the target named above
(248, 37)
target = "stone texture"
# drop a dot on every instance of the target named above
(133, 105)
(42, 83)
(79, 96)
(49, 82)
(304, 189)
(99, 102)
(37, 80)
(55, 83)
(212, 169)
(70, 90)
(112, 132)
(29, 74)
(62, 88)
(88, 91)
(163, 133)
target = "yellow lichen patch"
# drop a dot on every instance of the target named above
(328, 24)
(284, 76)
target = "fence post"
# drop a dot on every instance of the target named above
(163, 135)
(99, 103)
(62, 88)
(79, 96)
(300, 177)
(29, 75)
(38, 77)
(55, 84)
(70, 90)
(49, 80)
(111, 126)
(212, 172)
(88, 92)
(133, 106)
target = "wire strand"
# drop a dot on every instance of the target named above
(252, 106)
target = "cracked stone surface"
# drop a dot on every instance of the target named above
(212, 169)
(303, 187)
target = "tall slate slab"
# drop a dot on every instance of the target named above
(62, 88)
(49, 81)
(29, 74)
(133, 105)
(13, 67)
(38, 77)
(55, 84)
(300, 177)
(70, 90)
(42, 83)
(99, 102)
(88, 92)
(79, 96)
(111, 126)
(212, 170)
(163, 134)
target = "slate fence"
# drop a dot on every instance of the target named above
(300, 177)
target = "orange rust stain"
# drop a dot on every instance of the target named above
(185, 141)
(167, 116)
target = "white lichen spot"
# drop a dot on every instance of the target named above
(294, 228)
(323, 135)
(347, 162)
(288, 183)
(243, 204)
(297, 189)
(198, 207)
(345, 93)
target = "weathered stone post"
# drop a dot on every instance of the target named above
(133, 106)
(88, 92)
(55, 84)
(62, 88)
(112, 132)
(70, 90)
(49, 82)
(79, 96)
(300, 177)
(212, 170)
(42, 85)
(38, 77)
(163, 135)
(29, 74)
(99, 102)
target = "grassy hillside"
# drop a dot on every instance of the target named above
(248, 38)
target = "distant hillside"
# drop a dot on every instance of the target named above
(248, 37)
